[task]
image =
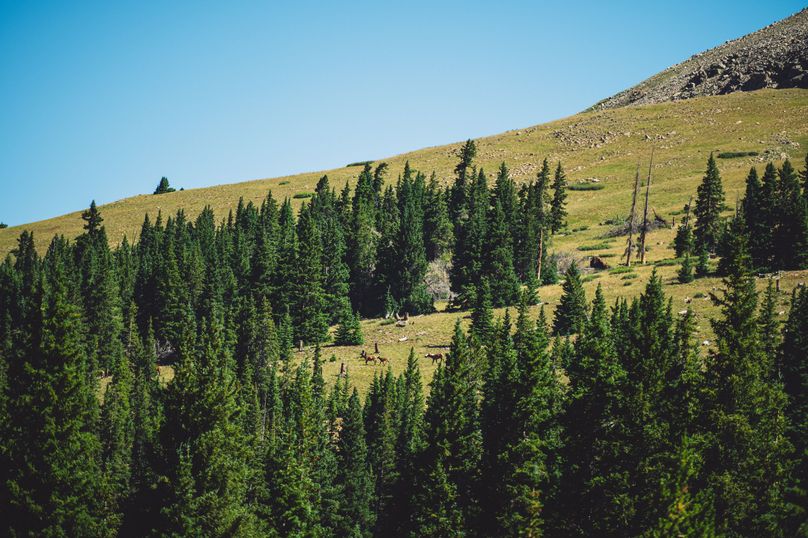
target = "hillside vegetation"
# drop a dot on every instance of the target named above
(606, 145)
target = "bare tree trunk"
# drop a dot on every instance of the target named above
(645, 211)
(632, 221)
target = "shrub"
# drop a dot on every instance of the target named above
(283, 183)
(303, 195)
(629, 276)
(590, 278)
(360, 163)
(736, 154)
(585, 187)
(3, 225)
(598, 246)
(620, 269)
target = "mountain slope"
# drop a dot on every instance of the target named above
(773, 57)
(604, 144)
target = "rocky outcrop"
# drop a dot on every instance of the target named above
(773, 57)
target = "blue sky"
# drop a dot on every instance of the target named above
(99, 100)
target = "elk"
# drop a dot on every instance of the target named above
(436, 357)
(382, 360)
(368, 358)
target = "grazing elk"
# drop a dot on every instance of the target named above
(436, 357)
(382, 360)
(368, 358)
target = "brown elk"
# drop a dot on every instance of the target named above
(368, 358)
(436, 357)
(382, 360)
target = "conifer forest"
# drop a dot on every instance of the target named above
(610, 419)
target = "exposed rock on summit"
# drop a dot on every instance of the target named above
(773, 57)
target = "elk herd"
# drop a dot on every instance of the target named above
(377, 358)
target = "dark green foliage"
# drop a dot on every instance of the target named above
(570, 315)
(647, 438)
(349, 331)
(746, 451)
(736, 154)
(55, 481)
(685, 274)
(709, 202)
(163, 187)
(586, 187)
(558, 212)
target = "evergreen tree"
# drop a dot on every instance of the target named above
(353, 474)
(204, 437)
(685, 274)
(482, 317)
(55, 482)
(596, 498)
(451, 461)
(163, 187)
(438, 230)
(558, 212)
(464, 177)
(309, 315)
(363, 243)
(411, 263)
(470, 242)
(709, 204)
(571, 312)
(792, 368)
(349, 331)
(743, 413)
(498, 262)
(791, 240)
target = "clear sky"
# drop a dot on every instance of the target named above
(101, 99)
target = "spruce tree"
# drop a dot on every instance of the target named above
(791, 240)
(363, 243)
(571, 312)
(709, 204)
(558, 211)
(464, 177)
(308, 299)
(349, 331)
(353, 474)
(498, 265)
(685, 274)
(743, 413)
(595, 497)
(438, 229)
(792, 368)
(55, 483)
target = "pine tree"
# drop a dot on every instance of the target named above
(349, 331)
(558, 212)
(498, 265)
(438, 229)
(792, 368)
(769, 331)
(204, 432)
(309, 315)
(464, 177)
(482, 317)
(685, 274)
(743, 413)
(709, 204)
(451, 461)
(117, 437)
(411, 265)
(470, 242)
(363, 243)
(55, 480)
(791, 241)
(595, 497)
(571, 312)
(533, 474)
(353, 474)
(163, 187)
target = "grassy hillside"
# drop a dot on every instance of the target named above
(606, 145)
